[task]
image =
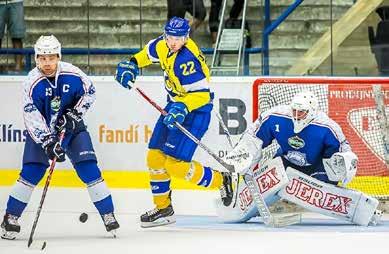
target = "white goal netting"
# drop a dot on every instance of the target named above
(351, 103)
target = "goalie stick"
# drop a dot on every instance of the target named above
(263, 209)
(268, 218)
(382, 119)
(225, 129)
(42, 245)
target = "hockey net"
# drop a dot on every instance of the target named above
(351, 102)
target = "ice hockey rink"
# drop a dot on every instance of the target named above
(197, 230)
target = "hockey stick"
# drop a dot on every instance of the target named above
(229, 167)
(263, 209)
(225, 129)
(268, 219)
(38, 212)
(228, 135)
(382, 119)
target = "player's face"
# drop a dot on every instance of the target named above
(175, 43)
(47, 64)
(299, 114)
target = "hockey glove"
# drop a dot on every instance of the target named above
(53, 148)
(126, 73)
(71, 121)
(246, 154)
(177, 113)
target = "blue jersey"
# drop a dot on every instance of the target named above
(320, 139)
(46, 99)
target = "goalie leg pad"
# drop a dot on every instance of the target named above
(270, 178)
(327, 199)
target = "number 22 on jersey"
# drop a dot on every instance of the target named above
(188, 68)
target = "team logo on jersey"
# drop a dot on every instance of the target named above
(55, 104)
(297, 158)
(296, 142)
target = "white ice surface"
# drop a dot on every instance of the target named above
(197, 229)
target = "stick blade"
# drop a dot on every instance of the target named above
(29, 242)
(36, 245)
(285, 220)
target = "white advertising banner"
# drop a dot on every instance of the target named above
(121, 121)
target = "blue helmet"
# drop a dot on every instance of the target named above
(177, 27)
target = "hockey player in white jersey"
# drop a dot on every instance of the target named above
(56, 97)
(312, 158)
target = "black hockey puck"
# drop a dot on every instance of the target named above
(83, 217)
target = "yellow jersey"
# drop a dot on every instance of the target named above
(186, 72)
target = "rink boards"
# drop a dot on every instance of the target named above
(120, 124)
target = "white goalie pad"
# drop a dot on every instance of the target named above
(327, 199)
(270, 178)
(341, 166)
(246, 154)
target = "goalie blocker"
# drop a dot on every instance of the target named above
(307, 192)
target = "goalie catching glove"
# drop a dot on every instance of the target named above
(341, 166)
(246, 154)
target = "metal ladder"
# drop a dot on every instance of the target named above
(230, 42)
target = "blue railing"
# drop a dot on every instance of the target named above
(269, 27)
(29, 53)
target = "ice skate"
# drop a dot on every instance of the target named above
(10, 227)
(110, 223)
(226, 191)
(158, 217)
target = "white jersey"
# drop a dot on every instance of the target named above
(45, 99)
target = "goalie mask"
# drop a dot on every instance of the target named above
(304, 109)
(47, 45)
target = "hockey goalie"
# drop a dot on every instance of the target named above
(312, 165)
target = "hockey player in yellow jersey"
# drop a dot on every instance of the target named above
(190, 104)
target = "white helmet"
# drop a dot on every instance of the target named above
(47, 45)
(303, 102)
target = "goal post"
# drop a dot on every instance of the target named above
(355, 106)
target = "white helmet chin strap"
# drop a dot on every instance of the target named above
(304, 101)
